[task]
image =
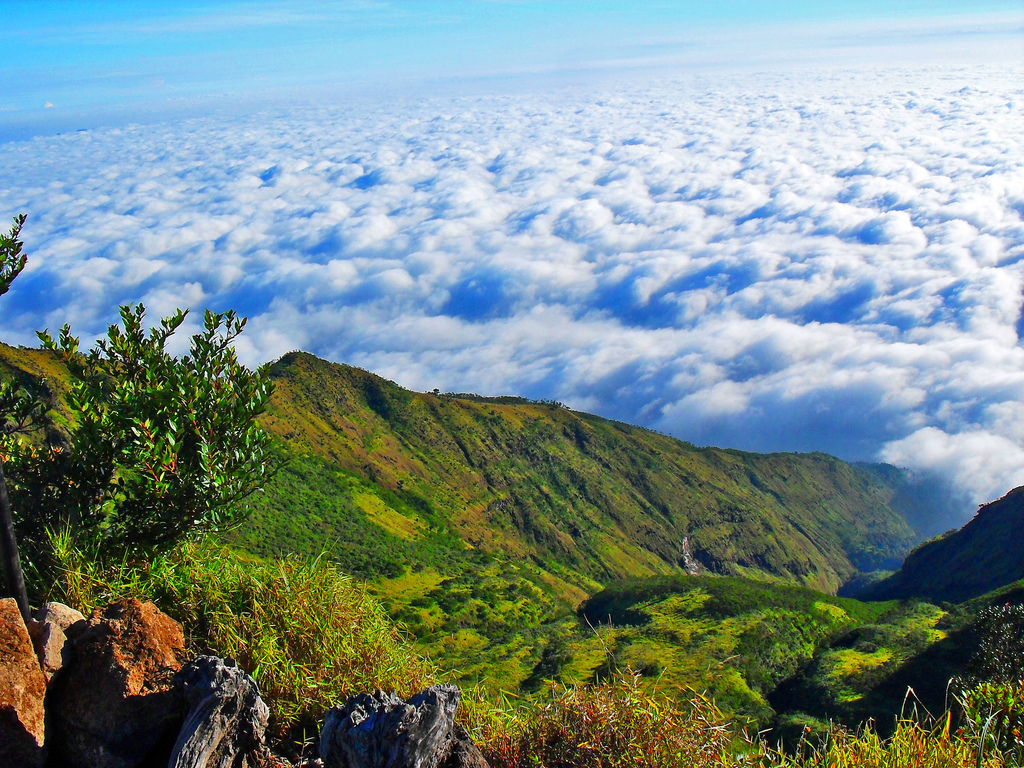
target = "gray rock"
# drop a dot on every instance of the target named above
(380, 730)
(51, 647)
(59, 614)
(462, 752)
(48, 631)
(227, 719)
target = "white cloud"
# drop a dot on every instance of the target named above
(805, 262)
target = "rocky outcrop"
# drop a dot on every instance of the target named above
(22, 689)
(116, 702)
(123, 696)
(226, 721)
(380, 730)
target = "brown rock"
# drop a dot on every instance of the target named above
(116, 703)
(22, 688)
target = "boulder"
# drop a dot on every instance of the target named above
(22, 689)
(47, 629)
(116, 703)
(226, 721)
(59, 614)
(49, 642)
(380, 730)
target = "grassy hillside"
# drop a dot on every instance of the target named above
(736, 638)
(482, 524)
(867, 671)
(986, 554)
(588, 499)
(382, 476)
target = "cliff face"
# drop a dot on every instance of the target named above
(986, 554)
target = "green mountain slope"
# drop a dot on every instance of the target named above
(590, 499)
(867, 671)
(382, 477)
(483, 523)
(986, 554)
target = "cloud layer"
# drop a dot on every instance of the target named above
(814, 261)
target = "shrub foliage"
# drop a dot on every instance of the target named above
(159, 447)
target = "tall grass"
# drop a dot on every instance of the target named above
(307, 633)
(610, 725)
(910, 746)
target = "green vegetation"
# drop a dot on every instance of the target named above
(12, 259)
(366, 530)
(483, 525)
(308, 634)
(159, 447)
(995, 712)
(311, 637)
(147, 449)
(586, 499)
(612, 725)
(985, 554)
(20, 405)
(734, 638)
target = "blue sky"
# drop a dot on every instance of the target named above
(96, 57)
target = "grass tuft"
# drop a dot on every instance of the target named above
(609, 725)
(308, 634)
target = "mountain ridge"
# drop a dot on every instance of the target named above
(586, 499)
(534, 478)
(984, 555)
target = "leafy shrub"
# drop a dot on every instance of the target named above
(308, 634)
(161, 446)
(1000, 655)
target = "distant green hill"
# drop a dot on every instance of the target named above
(735, 638)
(381, 477)
(984, 555)
(586, 498)
(867, 671)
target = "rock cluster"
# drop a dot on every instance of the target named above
(117, 695)
(114, 690)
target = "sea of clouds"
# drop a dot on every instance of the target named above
(813, 261)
